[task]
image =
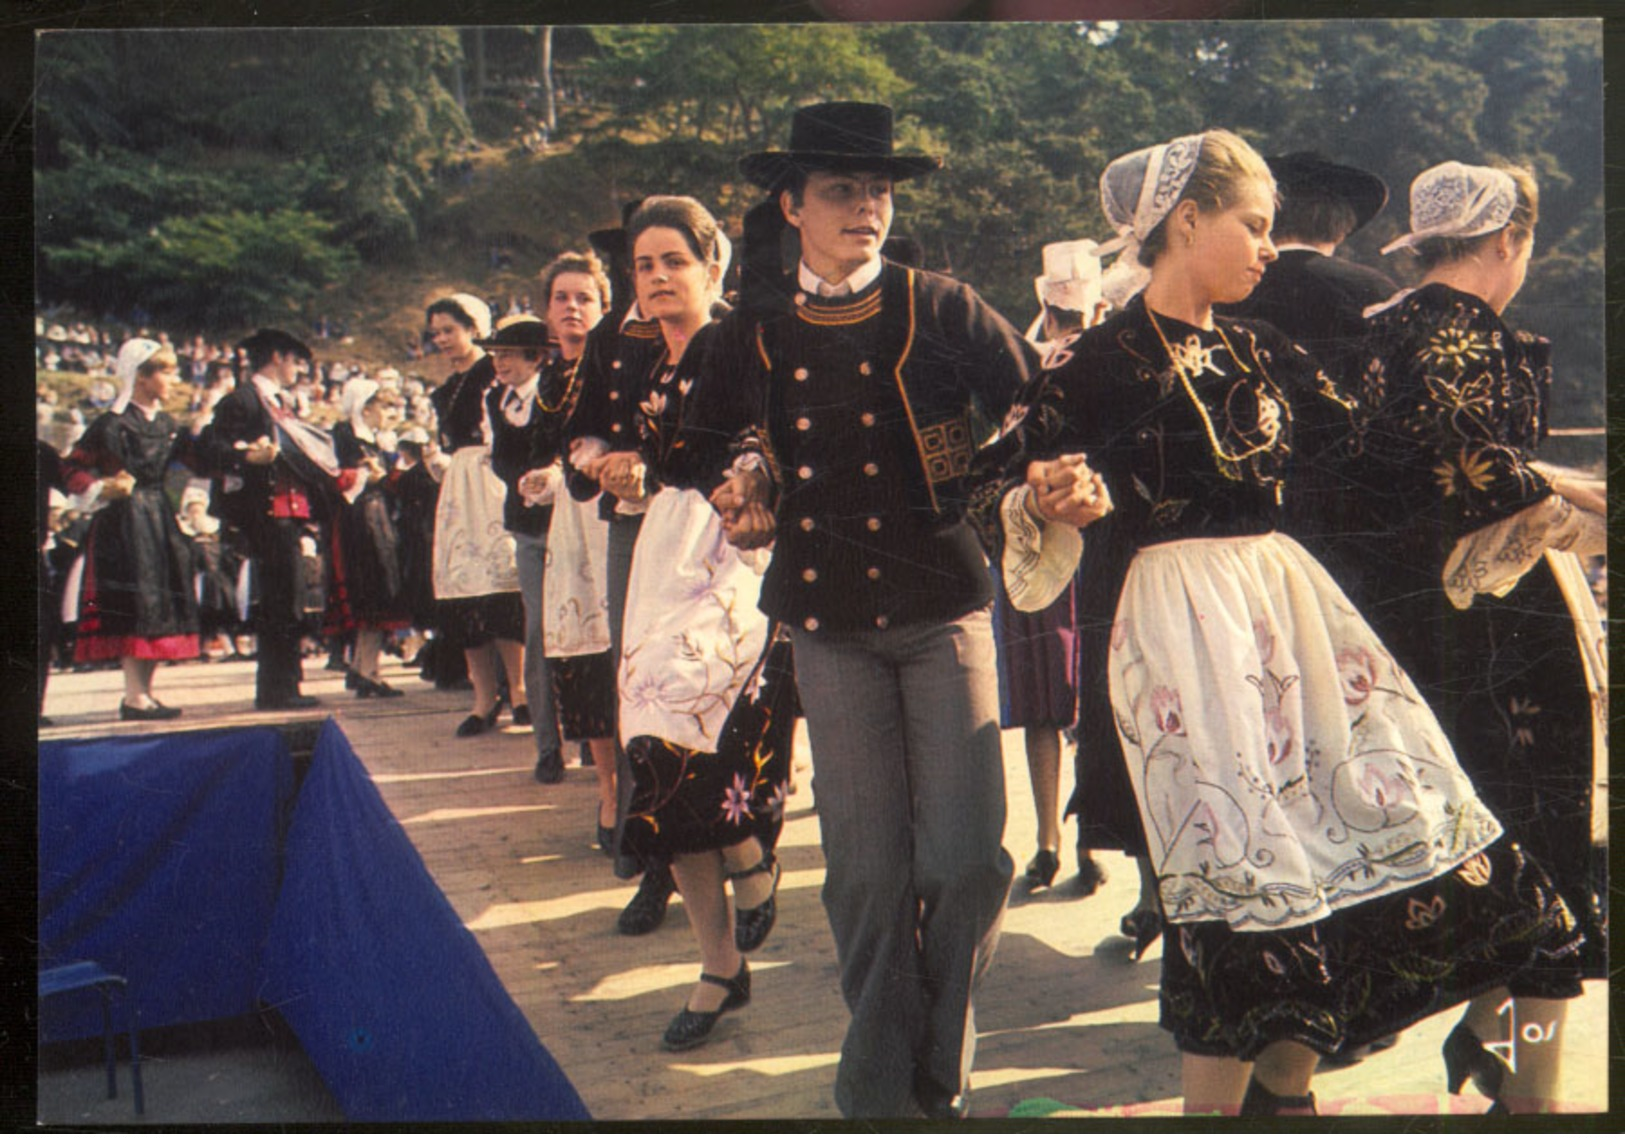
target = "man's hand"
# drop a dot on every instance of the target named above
(621, 472)
(1067, 491)
(741, 501)
(116, 486)
(261, 452)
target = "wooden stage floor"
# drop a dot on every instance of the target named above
(1063, 1015)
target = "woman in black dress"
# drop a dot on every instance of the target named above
(136, 602)
(475, 575)
(706, 695)
(1460, 546)
(1328, 873)
(367, 595)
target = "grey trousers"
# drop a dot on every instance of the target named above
(909, 779)
(530, 557)
(623, 541)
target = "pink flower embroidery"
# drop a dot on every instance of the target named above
(1424, 916)
(1475, 871)
(1265, 639)
(1279, 735)
(1358, 670)
(1382, 789)
(736, 801)
(1167, 710)
(776, 800)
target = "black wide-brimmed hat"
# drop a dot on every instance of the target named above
(519, 332)
(837, 136)
(1305, 171)
(273, 340)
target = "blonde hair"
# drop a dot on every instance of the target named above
(1223, 166)
(587, 264)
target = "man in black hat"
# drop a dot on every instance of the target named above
(856, 391)
(1312, 295)
(274, 474)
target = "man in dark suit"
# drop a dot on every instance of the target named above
(858, 389)
(1312, 295)
(274, 475)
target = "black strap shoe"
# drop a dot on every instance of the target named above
(647, 909)
(751, 926)
(690, 1029)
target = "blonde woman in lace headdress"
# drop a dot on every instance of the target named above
(1326, 869)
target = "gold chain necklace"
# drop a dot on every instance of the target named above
(1178, 365)
(571, 381)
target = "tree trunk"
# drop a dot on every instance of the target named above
(479, 63)
(544, 44)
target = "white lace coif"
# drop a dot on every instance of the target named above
(1453, 199)
(1071, 277)
(131, 356)
(1136, 192)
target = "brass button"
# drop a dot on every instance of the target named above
(801, 298)
(809, 575)
(614, 394)
(867, 418)
(804, 424)
(810, 624)
(873, 524)
(807, 524)
(801, 373)
(805, 472)
(882, 621)
(874, 573)
(871, 469)
(616, 365)
(865, 369)
(616, 427)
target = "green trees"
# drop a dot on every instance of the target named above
(222, 176)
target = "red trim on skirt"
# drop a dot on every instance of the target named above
(93, 649)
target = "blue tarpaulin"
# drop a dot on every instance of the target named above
(159, 859)
(388, 991)
(174, 860)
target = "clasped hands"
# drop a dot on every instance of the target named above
(1066, 491)
(741, 501)
(621, 472)
(261, 452)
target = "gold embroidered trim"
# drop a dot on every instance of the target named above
(837, 315)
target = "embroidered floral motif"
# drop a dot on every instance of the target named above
(736, 801)
(1466, 472)
(776, 800)
(1358, 669)
(1475, 871)
(1167, 710)
(1383, 789)
(1456, 346)
(1424, 915)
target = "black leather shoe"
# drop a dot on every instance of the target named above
(606, 840)
(751, 926)
(1261, 1102)
(1042, 869)
(690, 1029)
(473, 725)
(1143, 927)
(375, 689)
(521, 715)
(287, 703)
(156, 712)
(937, 1102)
(647, 908)
(549, 768)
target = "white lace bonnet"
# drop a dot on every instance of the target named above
(1453, 199)
(1136, 192)
(131, 356)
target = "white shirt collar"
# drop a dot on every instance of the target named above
(859, 280)
(272, 390)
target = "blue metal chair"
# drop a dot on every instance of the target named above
(78, 975)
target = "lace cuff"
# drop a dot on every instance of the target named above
(1494, 558)
(1039, 558)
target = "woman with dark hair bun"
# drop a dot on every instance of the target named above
(706, 695)
(1327, 872)
(475, 575)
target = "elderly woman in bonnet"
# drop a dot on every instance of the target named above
(367, 595)
(136, 603)
(1328, 873)
(476, 576)
(1461, 549)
